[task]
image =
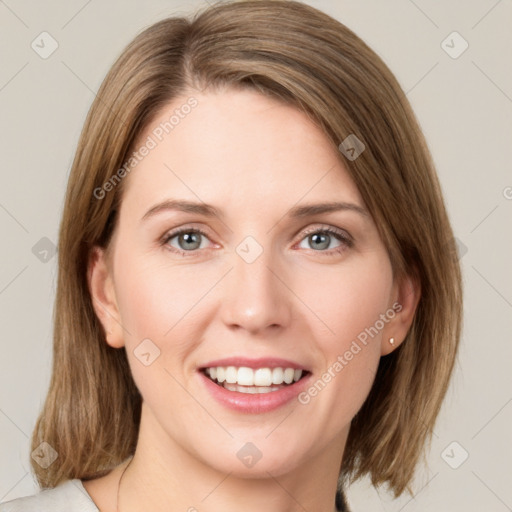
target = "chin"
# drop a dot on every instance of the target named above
(256, 460)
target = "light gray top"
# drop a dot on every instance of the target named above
(69, 496)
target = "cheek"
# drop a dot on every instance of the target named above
(347, 299)
(167, 304)
(153, 300)
(161, 304)
(348, 303)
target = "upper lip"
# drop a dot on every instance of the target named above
(261, 362)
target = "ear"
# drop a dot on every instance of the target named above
(101, 288)
(406, 295)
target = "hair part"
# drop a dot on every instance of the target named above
(299, 55)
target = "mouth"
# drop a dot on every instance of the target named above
(243, 379)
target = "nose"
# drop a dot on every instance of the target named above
(255, 297)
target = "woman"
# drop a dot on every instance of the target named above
(257, 300)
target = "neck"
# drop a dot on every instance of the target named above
(160, 472)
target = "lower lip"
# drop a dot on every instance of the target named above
(254, 403)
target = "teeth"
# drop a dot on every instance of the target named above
(245, 376)
(261, 378)
(288, 375)
(231, 375)
(277, 376)
(250, 389)
(221, 373)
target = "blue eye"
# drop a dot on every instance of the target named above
(320, 239)
(189, 240)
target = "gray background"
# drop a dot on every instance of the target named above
(464, 105)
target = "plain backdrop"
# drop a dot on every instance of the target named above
(463, 100)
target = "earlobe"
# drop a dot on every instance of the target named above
(407, 293)
(101, 288)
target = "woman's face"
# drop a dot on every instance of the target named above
(259, 285)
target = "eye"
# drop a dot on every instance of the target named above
(187, 240)
(321, 239)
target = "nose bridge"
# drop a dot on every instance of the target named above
(255, 298)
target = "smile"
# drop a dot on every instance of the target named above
(253, 380)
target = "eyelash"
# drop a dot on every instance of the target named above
(347, 242)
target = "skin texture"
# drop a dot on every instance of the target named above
(253, 158)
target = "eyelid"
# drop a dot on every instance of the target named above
(183, 229)
(342, 233)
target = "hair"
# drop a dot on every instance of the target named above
(301, 56)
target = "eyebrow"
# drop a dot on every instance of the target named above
(307, 210)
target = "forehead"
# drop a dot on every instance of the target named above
(237, 148)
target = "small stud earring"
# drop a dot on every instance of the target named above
(391, 341)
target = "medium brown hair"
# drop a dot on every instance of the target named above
(301, 56)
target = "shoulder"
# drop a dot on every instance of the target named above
(69, 496)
